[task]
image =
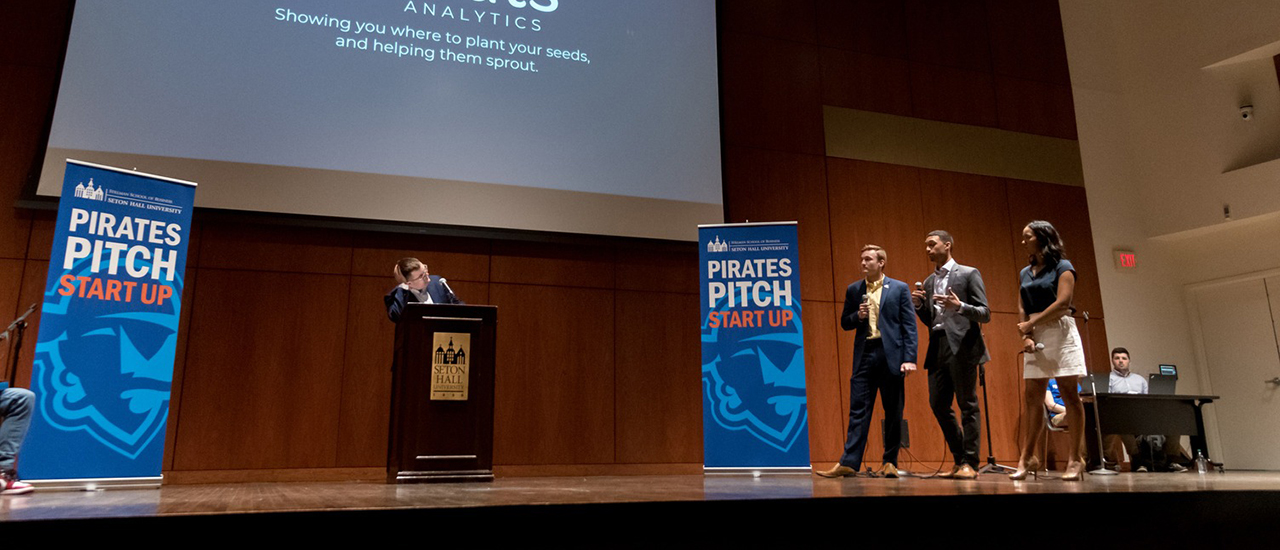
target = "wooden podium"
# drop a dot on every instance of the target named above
(442, 394)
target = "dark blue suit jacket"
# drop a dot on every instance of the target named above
(897, 323)
(400, 296)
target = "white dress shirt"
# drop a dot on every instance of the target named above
(942, 287)
(422, 295)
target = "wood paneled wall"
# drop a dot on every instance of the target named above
(993, 63)
(283, 358)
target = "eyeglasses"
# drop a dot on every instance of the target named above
(418, 278)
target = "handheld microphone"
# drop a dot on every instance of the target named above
(919, 285)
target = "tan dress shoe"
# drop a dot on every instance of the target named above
(890, 470)
(839, 470)
(949, 475)
(966, 471)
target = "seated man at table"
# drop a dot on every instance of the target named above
(1146, 452)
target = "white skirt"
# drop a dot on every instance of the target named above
(1062, 354)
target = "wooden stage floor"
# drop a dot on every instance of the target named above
(305, 497)
(1138, 495)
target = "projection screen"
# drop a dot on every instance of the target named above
(596, 117)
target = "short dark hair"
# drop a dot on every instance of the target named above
(1119, 350)
(942, 236)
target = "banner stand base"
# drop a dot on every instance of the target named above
(757, 472)
(95, 484)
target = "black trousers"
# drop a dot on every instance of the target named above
(873, 375)
(950, 380)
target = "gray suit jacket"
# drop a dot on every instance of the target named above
(964, 330)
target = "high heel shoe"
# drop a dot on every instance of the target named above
(1032, 466)
(1075, 472)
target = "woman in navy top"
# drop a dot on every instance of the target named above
(1050, 344)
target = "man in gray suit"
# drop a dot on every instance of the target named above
(952, 303)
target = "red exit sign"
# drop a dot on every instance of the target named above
(1126, 260)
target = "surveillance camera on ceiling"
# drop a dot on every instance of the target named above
(1246, 112)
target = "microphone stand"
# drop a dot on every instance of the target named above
(1101, 470)
(18, 327)
(992, 465)
(453, 297)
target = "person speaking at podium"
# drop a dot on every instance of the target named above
(417, 285)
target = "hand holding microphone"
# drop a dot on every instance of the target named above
(864, 309)
(1029, 345)
(917, 295)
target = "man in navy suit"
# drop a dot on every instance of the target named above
(884, 351)
(416, 285)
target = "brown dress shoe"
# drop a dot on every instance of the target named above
(839, 470)
(966, 471)
(949, 475)
(890, 470)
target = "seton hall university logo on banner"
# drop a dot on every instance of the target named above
(88, 192)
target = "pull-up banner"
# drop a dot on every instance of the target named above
(755, 413)
(108, 328)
